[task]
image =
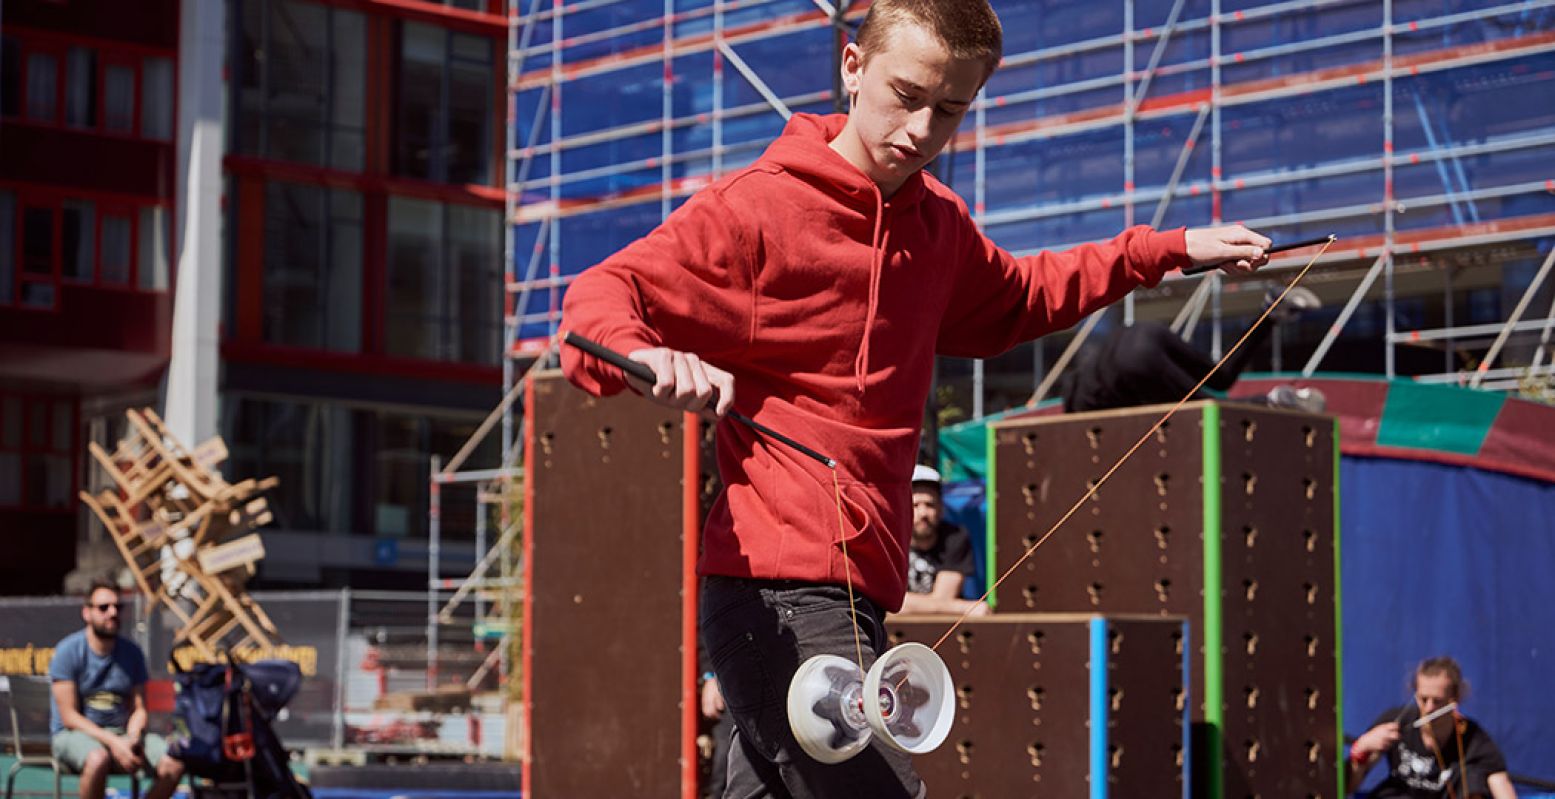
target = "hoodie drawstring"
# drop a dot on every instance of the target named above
(878, 244)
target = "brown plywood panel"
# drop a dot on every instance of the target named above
(607, 546)
(1131, 547)
(1277, 543)
(1149, 556)
(1023, 705)
(1278, 603)
(1145, 730)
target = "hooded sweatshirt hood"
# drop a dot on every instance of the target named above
(828, 303)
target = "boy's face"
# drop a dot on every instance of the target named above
(908, 101)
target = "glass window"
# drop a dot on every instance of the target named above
(475, 290)
(10, 77)
(37, 425)
(42, 86)
(7, 245)
(116, 250)
(413, 318)
(76, 250)
(301, 94)
(348, 90)
(420, 100)
(309, 446)
(64, 418)
(313, 267)
(402, 464)
(10, 478)
(153, 256)
(10, 423)
(296, 80)
(444, 106)
(156, 98)
(81, 87)
(468, 137)
(38, 242)
(444, 281)
(119, 98)
(48, 481)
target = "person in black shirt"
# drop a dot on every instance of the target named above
(1450, 756)
(940, 559)
(1146, 363)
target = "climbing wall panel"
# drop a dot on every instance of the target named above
(1225, 515)
(1048, 704)
(604, 578)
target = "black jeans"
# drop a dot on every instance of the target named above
(757, 633)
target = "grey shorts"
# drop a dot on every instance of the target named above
(71, 747)
(757, 634)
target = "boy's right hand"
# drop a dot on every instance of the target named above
(685, 381)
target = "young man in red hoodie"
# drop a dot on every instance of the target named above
(812, 291)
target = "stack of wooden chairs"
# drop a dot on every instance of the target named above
(188, 536)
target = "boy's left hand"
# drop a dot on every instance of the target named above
(1230, 247)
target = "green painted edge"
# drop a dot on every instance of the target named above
(1214, 690)
(1338, 629)
(990, 498)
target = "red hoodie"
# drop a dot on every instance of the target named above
(828, 305)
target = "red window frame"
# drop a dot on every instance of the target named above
(108, 53)
(104, 205)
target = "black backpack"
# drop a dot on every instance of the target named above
(222, 718)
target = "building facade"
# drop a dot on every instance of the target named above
(356, 222)
(1421, 132)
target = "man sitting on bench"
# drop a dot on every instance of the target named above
(97, 718)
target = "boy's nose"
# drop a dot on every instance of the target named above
(918, 126)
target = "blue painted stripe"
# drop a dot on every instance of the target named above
(1099, 708)
(1187, 713)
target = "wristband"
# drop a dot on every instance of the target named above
(708, 676)
(1358, 756)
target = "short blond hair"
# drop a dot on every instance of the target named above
(969, 29)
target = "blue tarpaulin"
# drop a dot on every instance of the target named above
(1435, 560)
(1451, 560)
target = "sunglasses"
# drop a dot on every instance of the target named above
(106, 606)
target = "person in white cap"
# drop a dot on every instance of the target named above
(940, 558)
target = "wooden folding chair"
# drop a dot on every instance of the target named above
(139, 541)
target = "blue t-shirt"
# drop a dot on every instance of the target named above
(105, 684)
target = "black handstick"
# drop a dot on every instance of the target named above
(643, 373)
(1295, 245)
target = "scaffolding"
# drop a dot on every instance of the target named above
(1422, 133)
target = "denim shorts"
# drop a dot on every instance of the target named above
(757, 633)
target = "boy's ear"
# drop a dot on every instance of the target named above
(852, 68)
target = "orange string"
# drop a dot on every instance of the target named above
(1141, 442)
(847, 569)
